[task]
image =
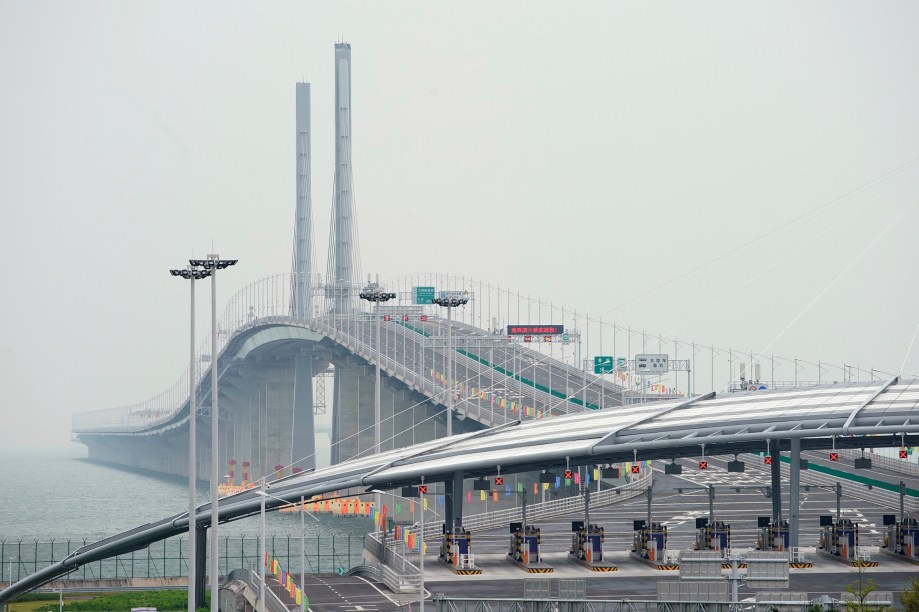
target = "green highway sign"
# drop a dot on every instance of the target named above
(603, 364)
(424, 295)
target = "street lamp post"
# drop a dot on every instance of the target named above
(212, 264)
(261, 552)
(374, 293)
(450, 303)
(192, 274)
(420, 542)
(265, 494)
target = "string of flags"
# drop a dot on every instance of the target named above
(273, 566)
(633, 381)
(485, 395)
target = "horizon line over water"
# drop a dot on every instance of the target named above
(57, 493)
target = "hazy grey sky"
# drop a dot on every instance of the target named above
(583, 153)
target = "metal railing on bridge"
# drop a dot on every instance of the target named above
(268, 301)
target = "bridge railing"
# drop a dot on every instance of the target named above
(489, 309)
(397, 572)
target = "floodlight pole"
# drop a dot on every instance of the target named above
(374, 293)
(215, 444)
(192, 456)
(192, 273)
(211, 265)
(449, 303)
(262, 559)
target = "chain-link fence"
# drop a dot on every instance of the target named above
(169, 558)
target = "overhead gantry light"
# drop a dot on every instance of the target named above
(214, 262)
(190, 273)
(374, 293)
(450, 302)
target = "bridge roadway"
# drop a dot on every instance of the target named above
(511, 382)
(854, 415)
(481, 360)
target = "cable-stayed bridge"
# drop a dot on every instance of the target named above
(463, 369)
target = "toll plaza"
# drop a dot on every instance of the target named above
(901, 539)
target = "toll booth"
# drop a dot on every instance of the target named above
(902, 538)
(587, 547)
(524, 549)
(839, 541)
(714, 536)
(773, 535)
(650, 545)
(456, 551)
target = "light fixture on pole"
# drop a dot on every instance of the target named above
(192, 274)
(450, 300)
(212, 264)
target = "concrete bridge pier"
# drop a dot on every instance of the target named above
(402, 409)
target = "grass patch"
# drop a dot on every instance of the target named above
(163, 601)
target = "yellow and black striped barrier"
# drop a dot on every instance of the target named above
(468, 572)
(667, 567)
(540, 570)
(864, 564)
(605, 568)
(801, 564)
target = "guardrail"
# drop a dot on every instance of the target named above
(395, 570)
(855, 488)
(252, 595)
(903, 466)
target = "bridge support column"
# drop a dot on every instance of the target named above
(453, 501)
(775, 450)
(200, 564)
(794, 490)
(303, 445)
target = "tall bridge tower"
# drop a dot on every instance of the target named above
(344, 254)
(301, 305)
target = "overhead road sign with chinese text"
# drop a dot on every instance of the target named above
(603, 364)
(535, 330)
(424, 295)
(651, 363)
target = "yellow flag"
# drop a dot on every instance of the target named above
(482, 495)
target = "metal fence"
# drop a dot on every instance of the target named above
(168, 558)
